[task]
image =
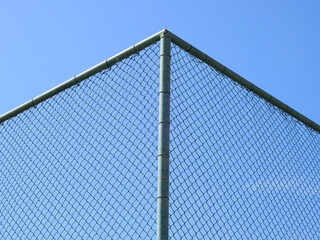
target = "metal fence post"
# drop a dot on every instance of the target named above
(163, 146)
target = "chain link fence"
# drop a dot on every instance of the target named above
(240, 167)
(83, 163)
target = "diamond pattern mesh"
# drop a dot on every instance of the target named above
(82, 164)
(240, 167)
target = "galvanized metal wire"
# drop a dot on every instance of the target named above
(240, 167)
(83, 164)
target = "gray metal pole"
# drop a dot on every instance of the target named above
(163, 147)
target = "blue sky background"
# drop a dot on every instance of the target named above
(242, 168)
(273, 44)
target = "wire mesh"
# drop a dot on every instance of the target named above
(83, 164)
(240, 167)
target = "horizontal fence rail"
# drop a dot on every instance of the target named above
(236, 163)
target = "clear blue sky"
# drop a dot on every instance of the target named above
(254, 183)
(274, 44)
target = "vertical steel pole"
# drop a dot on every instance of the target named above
(163, 146)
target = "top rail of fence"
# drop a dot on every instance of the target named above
(82, 76)
(140, 46)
